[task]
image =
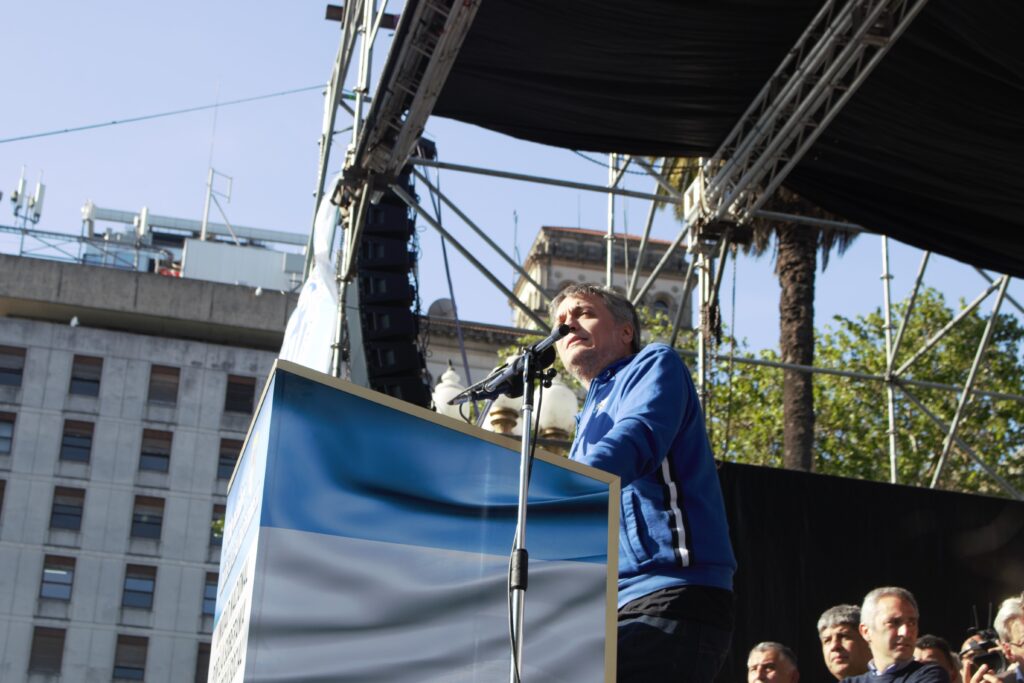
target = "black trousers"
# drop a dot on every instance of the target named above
(679, 635)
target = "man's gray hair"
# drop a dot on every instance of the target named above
(870, 605)
(840, 615)
(770, 646)
(621, 308)
(1010, 609)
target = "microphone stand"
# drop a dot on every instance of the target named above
(518, 568)
(518, 572)
(507, 379)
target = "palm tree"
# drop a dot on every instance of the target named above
(796, 248)
(796, 254)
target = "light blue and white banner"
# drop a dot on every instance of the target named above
(383, 543)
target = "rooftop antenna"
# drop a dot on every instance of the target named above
(27, 208)
(211, 195)
(18, 196)
(35, 203)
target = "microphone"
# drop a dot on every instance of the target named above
(508, 379)
(549, 341)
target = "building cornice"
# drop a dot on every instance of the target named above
(144, 303)
(473, 331)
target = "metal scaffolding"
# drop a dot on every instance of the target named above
(60, 246)
(831, 59)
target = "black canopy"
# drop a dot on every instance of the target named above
(927, 151)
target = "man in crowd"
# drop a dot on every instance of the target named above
(772, 663)
(889, 623)
(845, 651)
(642, 421)
(935, 649)
(1009, 624)
(981, 647)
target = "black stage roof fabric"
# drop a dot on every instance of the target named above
(928, 150)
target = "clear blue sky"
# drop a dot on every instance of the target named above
(69, 64)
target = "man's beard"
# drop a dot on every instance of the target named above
(584, 365)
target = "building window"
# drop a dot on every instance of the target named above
(156, 451)
(68, 506)
(85, 376)
(47, 650)
(58, 578)
(139, 585)
(147, 517)
(240, 393)
(7, 433)
(130, 658)
(203, 663)
(229, 450)
(217, 525)
(12, 364)
(163, 384)
(210, 594)
(76, 444)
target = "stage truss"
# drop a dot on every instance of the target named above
(831, 59)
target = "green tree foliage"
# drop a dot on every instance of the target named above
(851, 429)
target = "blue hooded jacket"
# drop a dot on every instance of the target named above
(642, 421)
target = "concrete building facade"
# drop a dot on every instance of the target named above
(122, 411)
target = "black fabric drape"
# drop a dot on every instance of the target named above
(927, 151)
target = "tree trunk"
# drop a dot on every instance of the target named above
(795, 265)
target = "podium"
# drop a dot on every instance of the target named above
(367, 540)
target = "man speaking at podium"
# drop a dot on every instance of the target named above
(642, 421)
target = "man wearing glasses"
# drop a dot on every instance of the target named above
(1009, 624)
